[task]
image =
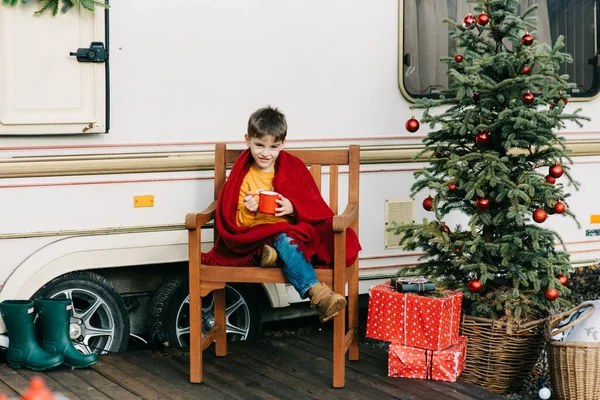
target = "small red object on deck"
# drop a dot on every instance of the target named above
(38, 390)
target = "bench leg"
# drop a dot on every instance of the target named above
(339, 351)
(221, 338)
(195, 333)
(353, 314)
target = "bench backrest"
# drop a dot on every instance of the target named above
(314, 159)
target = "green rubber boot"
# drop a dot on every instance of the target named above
(55, 315)
(23, 350)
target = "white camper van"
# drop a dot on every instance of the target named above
(108, 120)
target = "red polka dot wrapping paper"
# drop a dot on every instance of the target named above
(443, 365)
(413, 320)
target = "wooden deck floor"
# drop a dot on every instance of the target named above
(288, 367)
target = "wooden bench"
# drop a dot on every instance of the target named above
(207, 278)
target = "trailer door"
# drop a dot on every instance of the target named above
(53, 71)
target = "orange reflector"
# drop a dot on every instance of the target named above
(595, 219)
(143, 201)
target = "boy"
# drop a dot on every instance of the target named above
(300, 231)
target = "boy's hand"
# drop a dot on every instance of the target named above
(251, 202)
(285, 207)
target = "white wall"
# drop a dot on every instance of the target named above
(194, 71)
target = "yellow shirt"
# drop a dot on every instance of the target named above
(253, 182)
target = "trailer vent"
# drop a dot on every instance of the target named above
(401, 211)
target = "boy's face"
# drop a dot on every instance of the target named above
(264, 152)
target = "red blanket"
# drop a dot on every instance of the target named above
(312, 233)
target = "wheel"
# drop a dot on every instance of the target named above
(170, 313)
(100, 323)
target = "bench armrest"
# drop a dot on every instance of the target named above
(343, 221)
(196, 220)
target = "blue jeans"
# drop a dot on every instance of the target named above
(297, 270)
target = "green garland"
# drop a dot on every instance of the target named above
(66, 5)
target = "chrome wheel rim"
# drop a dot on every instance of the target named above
(237, 317)
(92, 327)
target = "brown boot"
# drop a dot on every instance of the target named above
(268, 258)
(327, 302)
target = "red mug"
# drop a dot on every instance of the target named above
(266, 202)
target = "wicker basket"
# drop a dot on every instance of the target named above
(501, 355)
(574, 366)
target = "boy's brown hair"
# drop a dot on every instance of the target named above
(267, 121)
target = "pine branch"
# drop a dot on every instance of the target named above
(53, 5)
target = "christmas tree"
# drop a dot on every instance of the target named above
(495, 157)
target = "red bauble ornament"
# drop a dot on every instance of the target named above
(474, 286)
(528, 98)
(469, 21)
(527, 39)
(452, 186)
(559, 207)
(428, 203)
(551, 294)
(482, 203)
(457, 250)
(476, 96)
(458, 58)
(444, 227)
(565, 101)
(550, 179)
(539, 215)
(482, 138)
(556, 171)
(526, 70)
(439, 154)
(412, 125)
(483, 19)
(563, 280)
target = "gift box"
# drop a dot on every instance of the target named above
(412, 284)
(415, 320)
(442, 365)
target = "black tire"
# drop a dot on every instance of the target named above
(169, 319)
(100, 322)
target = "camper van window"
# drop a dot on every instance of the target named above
(424, 40)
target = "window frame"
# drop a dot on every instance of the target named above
(586, 97)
